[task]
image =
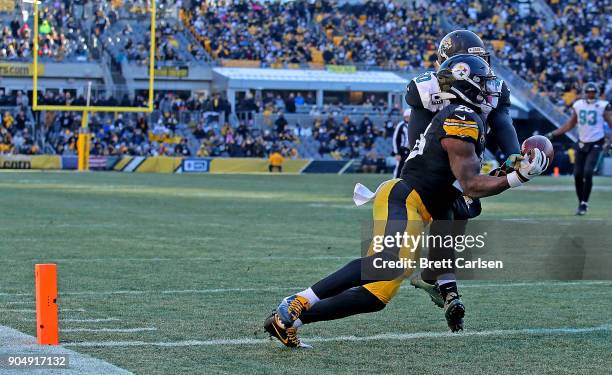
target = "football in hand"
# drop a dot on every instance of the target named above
(540, 142)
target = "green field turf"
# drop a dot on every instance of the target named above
(206, 257)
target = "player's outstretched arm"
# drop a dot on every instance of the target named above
(466, 167)
(569, 125)
(503, 130)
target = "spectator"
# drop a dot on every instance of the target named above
(290, 103)
(369, 163)
(281, 123)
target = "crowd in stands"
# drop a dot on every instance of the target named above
(375, 33)
(558, 55)
(244, 141)
(124, 29)
(114, 135)
(15, 130)
(59, 34)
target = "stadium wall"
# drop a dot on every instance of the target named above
(167, 164)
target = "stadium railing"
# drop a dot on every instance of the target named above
(542, 104)
(307, 120)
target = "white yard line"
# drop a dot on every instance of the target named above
(114, 330)
(552, 188)
(15, 342)
(383, 336)
(536, 283)
(34, 310)
(508, 284)
(224, 290)
(99, 320)
(184, 259)
(19, 303)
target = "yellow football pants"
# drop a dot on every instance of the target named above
(397, 202)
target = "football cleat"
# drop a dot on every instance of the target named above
(582, 208)
(287, 336)
(454, 311)
(431, 289)
(291, 308)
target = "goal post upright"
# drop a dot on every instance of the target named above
(84, 137)
(81, 108)
(152, 53)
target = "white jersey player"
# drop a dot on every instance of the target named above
(589, 114)
(426, 97)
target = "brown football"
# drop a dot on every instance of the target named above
(540, 142)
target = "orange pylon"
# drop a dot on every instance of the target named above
(46, 304)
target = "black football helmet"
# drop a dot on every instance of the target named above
(470, 79)
(590, 91)
(461, 42)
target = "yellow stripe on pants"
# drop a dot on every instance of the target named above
(418, 217)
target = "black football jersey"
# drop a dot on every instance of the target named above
(427, 168)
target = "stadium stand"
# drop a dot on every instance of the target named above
(16, 129)
(124, 32)
(555, 55)
(370, 34)
(558, 56)
(60, 35)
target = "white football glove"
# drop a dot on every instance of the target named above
(529, 169)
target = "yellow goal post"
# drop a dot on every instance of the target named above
(87, 108)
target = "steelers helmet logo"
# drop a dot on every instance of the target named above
(461, 71)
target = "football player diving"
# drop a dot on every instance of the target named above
(449, 149)
(426, 98)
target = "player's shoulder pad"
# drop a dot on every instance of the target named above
(463, 123)
(422, 92)
(607, 105)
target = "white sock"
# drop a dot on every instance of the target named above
(309, 295)
(297, 324)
